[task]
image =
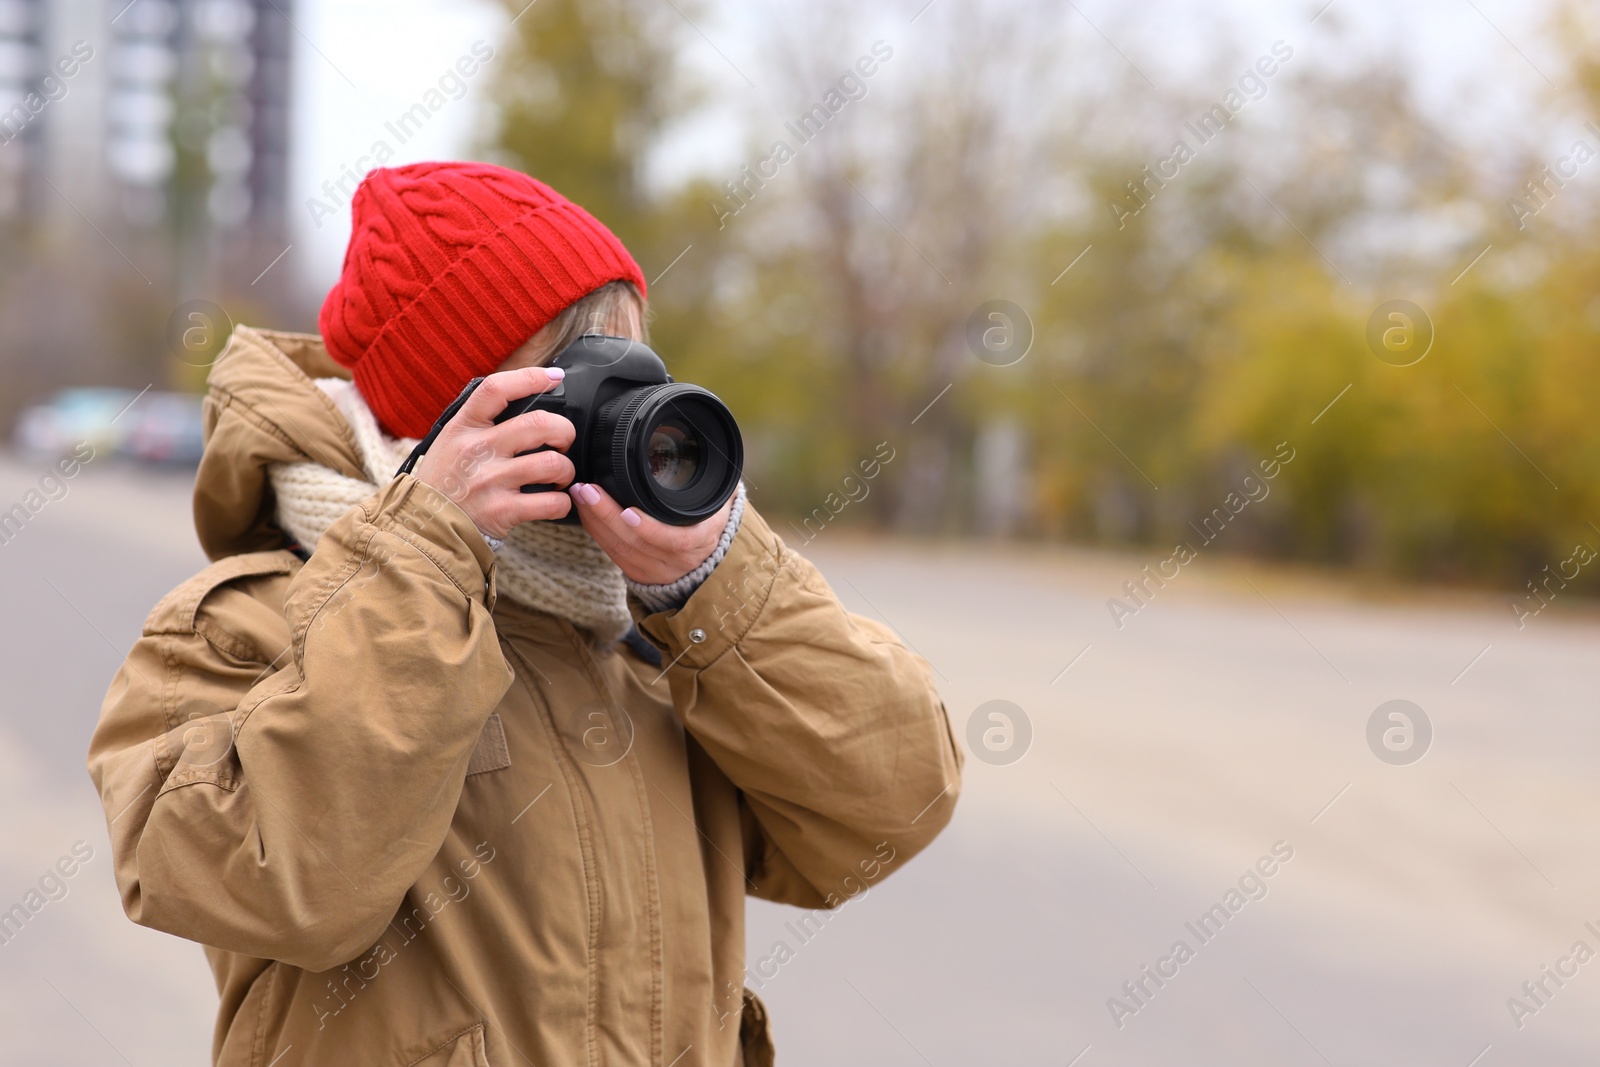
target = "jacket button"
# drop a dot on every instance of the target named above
(697, 635)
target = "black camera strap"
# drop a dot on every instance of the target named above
(439, 424)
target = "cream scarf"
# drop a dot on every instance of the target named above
(549, 567)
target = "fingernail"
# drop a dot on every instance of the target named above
(591, 495)
(574, 487)
(631, 517)
(555, 373)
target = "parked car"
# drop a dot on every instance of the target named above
(165, 428)
(150, 427)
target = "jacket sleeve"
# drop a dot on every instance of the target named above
(276, 774)
(829, 726)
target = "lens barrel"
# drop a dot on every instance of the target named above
(673, 448)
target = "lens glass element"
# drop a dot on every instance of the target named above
(674, 453)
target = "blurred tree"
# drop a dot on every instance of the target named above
(589, 92)
(582, 101)
(1188, 341)
(872, 248)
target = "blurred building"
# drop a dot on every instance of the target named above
(128, 91)
(144, 162)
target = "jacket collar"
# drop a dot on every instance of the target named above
(263, 408)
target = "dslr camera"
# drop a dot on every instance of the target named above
(670, 449)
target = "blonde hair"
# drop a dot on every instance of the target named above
(616, 308)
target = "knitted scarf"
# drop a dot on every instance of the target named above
(552, 568)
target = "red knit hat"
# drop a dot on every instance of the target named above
(451, 267)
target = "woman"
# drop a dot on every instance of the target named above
(399, 758)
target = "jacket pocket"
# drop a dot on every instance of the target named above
(755, 1033)
(491, 753)
(465, 1049)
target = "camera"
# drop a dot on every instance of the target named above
(670, 449)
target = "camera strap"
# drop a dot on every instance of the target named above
(439, 424)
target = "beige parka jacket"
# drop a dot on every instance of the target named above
(413, 824)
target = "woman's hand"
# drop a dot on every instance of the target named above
(648, 550)
(475, 463)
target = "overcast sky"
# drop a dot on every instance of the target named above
(363, 63)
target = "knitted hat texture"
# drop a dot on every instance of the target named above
(450, 268)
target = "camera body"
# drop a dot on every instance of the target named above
(670, 449)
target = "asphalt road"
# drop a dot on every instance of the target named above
(1167, 760)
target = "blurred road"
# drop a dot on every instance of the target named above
(1228, 716)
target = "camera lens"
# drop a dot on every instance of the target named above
(674, 454)
(672, 450)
